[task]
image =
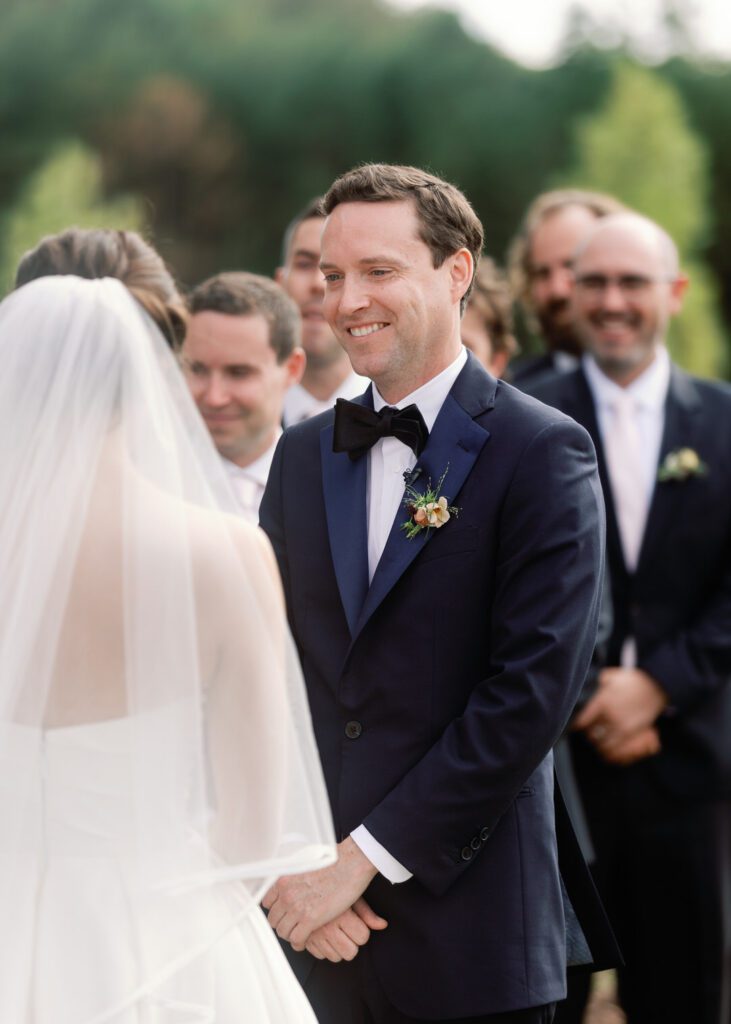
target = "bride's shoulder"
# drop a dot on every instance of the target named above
(223, 545)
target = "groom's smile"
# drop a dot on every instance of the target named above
(366, 329)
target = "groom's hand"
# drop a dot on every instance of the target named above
(299, 904)
(342, 938)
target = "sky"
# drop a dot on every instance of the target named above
(530, 30)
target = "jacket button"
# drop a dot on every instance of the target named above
(466, 853)
(476, 844)
(484, 834)
(353, 730)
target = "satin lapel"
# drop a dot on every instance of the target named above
(579, 405)
(344, 485)
(682, 430)
(454, 444)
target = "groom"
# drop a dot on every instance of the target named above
(442, 663)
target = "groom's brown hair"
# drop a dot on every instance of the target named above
(447, 221)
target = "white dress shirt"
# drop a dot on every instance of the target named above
(648, 393)
(388, 460)
(300, 405)
(248, 482)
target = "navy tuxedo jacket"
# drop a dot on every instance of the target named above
(677, 603)
(438, 691)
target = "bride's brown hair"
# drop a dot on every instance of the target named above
(103, 252)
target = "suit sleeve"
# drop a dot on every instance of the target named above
(550, 549)
(695, 663)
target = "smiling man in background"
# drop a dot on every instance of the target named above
(328, 374)
(653, 759)
(540, 259)
(240, 356)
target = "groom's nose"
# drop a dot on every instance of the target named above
(353, 295)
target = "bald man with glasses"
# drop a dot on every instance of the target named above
(653, 746)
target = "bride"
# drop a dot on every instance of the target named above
(157, 763)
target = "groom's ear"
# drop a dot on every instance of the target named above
(461, 270)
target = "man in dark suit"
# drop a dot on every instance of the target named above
(654, 758)
(444, 635)
(540, 261)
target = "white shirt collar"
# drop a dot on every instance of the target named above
(258, 470)
(299, 404)
(430, 396)
(649, 390)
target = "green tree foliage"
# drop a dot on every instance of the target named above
(285, 95)
(226, 116)
(641, 148)
(706, 91)
(65, 191)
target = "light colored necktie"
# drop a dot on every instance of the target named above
(248, 493)
(624, 463)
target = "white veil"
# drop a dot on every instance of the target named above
(131, 599)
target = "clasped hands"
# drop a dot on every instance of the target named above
(324, 911)
(619, 719)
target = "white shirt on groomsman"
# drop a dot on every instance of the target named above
(300, 404)
(248, 482)
(631, 421)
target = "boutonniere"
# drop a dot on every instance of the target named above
(429, 510)
(681, 465)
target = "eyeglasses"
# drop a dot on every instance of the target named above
(628, 284)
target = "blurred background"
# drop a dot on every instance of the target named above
(208, 123)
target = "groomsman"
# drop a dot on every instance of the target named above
(240, 356)
(328, 374)
(444, 630)
(540, 261)
(654, 758)
(487, 323)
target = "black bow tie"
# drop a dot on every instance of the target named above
(357, 428)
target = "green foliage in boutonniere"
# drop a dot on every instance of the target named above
(427, 511)
(680, 465)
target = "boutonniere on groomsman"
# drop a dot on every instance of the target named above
(652, 746)
(680, 465)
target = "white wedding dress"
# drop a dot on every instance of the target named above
(158, 767)
(77, 897)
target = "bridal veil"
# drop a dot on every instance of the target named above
(132, 594)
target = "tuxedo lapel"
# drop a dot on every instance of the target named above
(454, 444)
(344, 483)
(682, 430)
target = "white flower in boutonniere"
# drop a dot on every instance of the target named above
(427, 511)
(681, 465)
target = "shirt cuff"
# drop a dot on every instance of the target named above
(379, 856)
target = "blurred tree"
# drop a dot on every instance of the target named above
(226, 116)
(292, 93)
(641, 148)
(706, 91)
(66, 191)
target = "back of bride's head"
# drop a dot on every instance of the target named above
(102, 252)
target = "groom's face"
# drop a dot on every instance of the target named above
(393, 312)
